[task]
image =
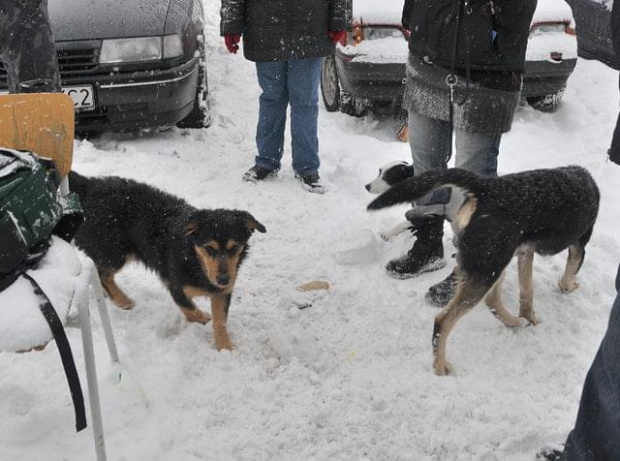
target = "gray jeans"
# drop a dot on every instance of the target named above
(27, 47)
(431, 148)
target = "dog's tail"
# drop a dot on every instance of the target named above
(417, 187)
(78, 184)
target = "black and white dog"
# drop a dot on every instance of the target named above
(540, 211)
(389, 175)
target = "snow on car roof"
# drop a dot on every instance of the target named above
(390, 11)
(384, 12)
(552, 10)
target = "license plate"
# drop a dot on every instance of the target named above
(83, 96)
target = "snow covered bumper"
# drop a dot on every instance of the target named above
(543, 78)
(376, 81)
(142, 98)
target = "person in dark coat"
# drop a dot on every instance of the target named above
(464, 75)
(596, 435)
(287, 41)
(27, 47)
(614, 150)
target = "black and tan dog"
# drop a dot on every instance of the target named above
(539, 211)
(195, 252)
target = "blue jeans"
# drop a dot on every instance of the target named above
(431, 148)
(596, 435)
(283, 83)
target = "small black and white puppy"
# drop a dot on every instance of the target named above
(390, 174)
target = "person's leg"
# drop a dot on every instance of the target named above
(304, 76)
(431, 144)
(273, 101)
(596, 434)
(32, 64)
(477, 152)
(430, 141)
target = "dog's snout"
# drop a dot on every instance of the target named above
(223, 279)
(367, 186)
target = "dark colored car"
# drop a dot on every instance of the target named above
(593, 24)
(130, 64)
(367, 72)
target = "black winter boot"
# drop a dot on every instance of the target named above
(551, 454)
(440, 294)
(427, 252)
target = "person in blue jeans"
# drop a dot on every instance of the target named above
(288, 41)
(463, 80)
(596, 435)
(283, 83)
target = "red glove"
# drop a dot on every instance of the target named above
(232, 42)
(337, 36)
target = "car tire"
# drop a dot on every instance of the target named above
(546, 103)
(330, 86)
(199, 117)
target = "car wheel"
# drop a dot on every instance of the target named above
(199, 117)
(330, 87)
(546, 103)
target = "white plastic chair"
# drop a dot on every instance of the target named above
(44, 124)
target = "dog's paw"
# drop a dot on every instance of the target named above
(224, 344)
(531, 319)
(517, 322)
(443, 368)
(126, 304)
(385, 236)
(567, 287)
(197, 316)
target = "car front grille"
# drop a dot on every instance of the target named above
(71, 63)
(77, 62)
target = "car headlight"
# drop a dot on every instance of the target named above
(173, 47)
(140, 49)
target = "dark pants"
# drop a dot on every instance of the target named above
(27, 47)
(596, 435)
(614, 151)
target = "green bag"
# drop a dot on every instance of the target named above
(30, 211)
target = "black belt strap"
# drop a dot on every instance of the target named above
(65, 354)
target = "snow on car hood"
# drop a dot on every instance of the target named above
(98, 19)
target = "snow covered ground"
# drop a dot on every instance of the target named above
(351, 376)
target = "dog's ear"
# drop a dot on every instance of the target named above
(253, 225)
(191, 227)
